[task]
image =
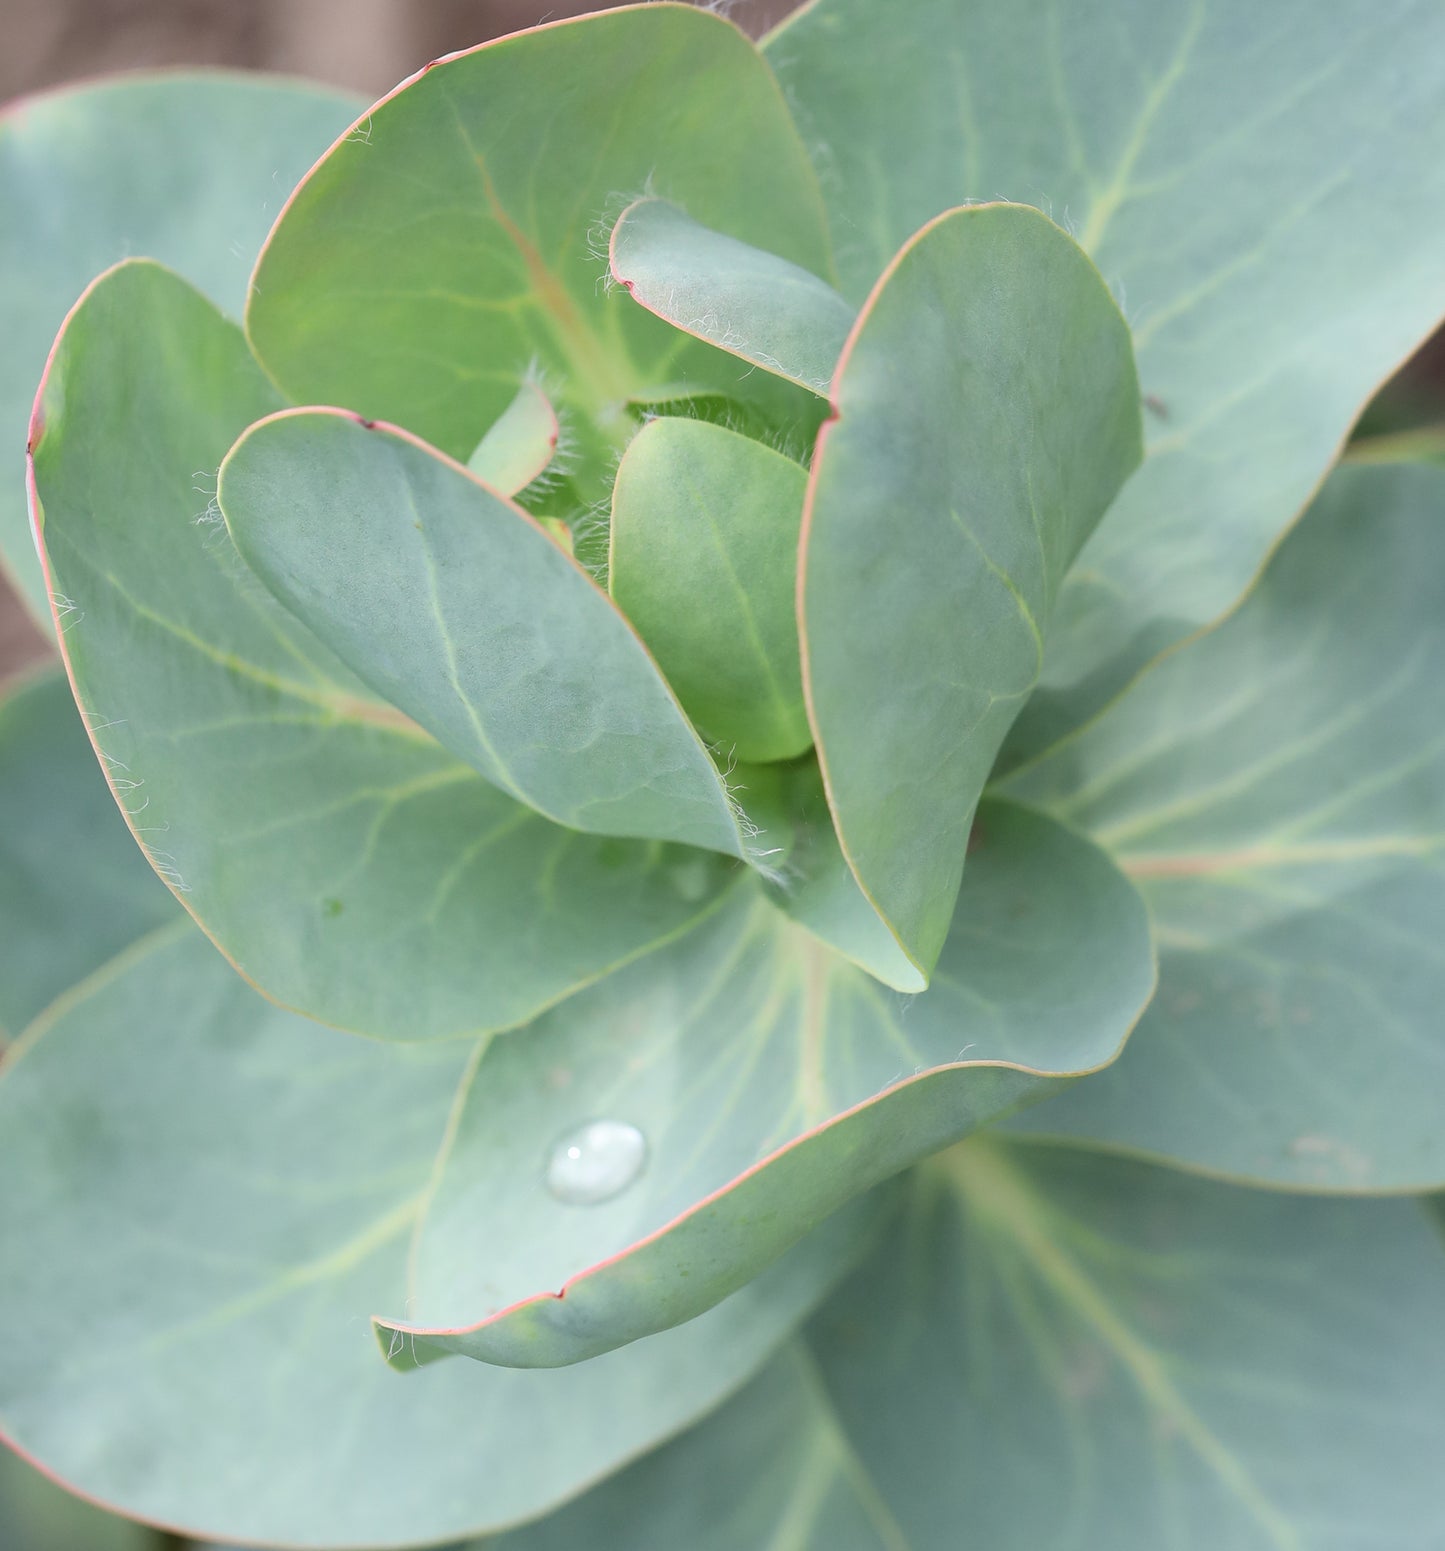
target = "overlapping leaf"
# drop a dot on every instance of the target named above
(207, 1196)
(1054, 1349)
(772, 1081)
(190, 168)
(1278, 790)
(812, 880)
(67, 907)
(704, 544)
(1262, 190)
(756, 305)
(421, 299)
(519, 444)
(461, 610)
(35, 1515)
(986, 411)
(347, 863)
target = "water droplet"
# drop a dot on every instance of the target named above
(596, 1162)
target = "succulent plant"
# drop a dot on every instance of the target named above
(666, 618)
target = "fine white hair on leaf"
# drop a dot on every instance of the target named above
(67, 613)
(101, 722)
(598, 240)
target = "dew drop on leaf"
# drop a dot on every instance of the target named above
(595, 1162)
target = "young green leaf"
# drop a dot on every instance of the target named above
(986, 413)
(347, 863)
(704, 562)
(208, 1196)
(421, 299)
(519, 446)
(1264, 191)
(1277, 789)
(460, 609)
(770, 1081)
(753, 304)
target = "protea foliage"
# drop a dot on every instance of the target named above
(738, 612)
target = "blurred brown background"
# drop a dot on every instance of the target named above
(368, 45)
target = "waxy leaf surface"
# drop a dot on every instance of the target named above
(986, 411)
(753, 304)
(519, 445)
(773, 1081)
(74, 890)
(1263, 191)
(1055, 1349)
(35, 1515)
(770, 1469)
(459, 608)
(189, 168)
(812, 881)
(447, 243)
(704, 562)
(1277, 789)
(403, 895)
(205, 1197)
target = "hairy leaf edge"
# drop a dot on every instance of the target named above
(37, 518)
(834, 418)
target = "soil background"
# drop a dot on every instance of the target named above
(368, 45)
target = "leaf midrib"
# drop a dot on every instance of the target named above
(593, 364)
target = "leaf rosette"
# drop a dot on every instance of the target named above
(605, 625)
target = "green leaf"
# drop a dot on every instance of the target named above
(189, 167)
(770, 1470)
(752, 304)
(1278, 791)
(704, 562)
(35, 1515)
(64, 909)
(1264, 191)
(1059, 1349)
(1094, 1348)
(811, 880)
(424, 299)
(459, 608)
(205, 1197)
(520, 445)
(986, 412)
(771, 1081)
(404, 896)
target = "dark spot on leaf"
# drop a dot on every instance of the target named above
(1156, 406)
